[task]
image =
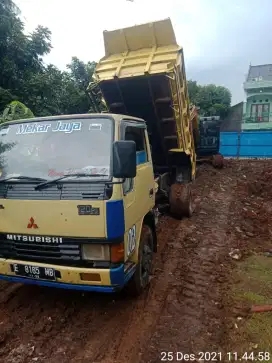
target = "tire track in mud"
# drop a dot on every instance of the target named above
(121, 340)
(195, 310)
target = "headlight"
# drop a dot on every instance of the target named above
(95, 252)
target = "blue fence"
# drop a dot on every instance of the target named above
(247, 144)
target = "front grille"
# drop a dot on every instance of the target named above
(65, 191)
(63, 254)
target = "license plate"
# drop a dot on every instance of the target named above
(35, 272)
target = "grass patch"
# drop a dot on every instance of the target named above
(254, 287)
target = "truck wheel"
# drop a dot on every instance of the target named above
(180, 200)
(140, 279)
(218, 161)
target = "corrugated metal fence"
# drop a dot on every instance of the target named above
(247, 144)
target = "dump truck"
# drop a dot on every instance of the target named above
(143, 75)
(79, 193)
(206, 131)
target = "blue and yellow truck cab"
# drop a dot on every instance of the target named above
(77, 197)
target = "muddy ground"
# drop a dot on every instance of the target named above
(186, 309)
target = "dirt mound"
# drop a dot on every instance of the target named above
(262, 186)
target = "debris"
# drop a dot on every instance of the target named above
(261, 308)
(238, 229)
(239, 318)
(249, 234)
(235, 254)
(236, 326)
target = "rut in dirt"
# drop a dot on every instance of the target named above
(193, 317)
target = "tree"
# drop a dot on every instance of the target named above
(5, 98)
(193, 89)
(82, 74)
(24, 77)
(20, 54)
(211, 99)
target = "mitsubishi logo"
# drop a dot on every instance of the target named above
(32, 223)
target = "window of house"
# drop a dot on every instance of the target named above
(260, 112)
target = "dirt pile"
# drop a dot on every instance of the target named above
(256, 177)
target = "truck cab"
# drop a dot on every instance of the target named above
(77, 198)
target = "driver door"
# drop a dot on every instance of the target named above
(138, 192)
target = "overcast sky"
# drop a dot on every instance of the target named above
(220, 38)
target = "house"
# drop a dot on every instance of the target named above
(257, 110)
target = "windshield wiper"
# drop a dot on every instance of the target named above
(20, 177)
(53, 181)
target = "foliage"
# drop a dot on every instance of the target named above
(5, 98)
(24, 77)
(16, 111)
(211, 99)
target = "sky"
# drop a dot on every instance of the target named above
(220, 38)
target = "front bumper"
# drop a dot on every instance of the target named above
(110, 279)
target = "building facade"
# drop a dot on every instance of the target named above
(257, 109)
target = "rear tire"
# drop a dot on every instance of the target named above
(180, 199)
(141, 277)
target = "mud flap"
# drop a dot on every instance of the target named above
(180, 200)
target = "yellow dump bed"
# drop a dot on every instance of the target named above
(143, 75)
(139, 50)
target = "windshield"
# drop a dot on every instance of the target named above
(53, 148)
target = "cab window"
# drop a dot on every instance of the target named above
(136, 134)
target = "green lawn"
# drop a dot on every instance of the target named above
(254, 287)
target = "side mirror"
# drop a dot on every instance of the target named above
(124, 159)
